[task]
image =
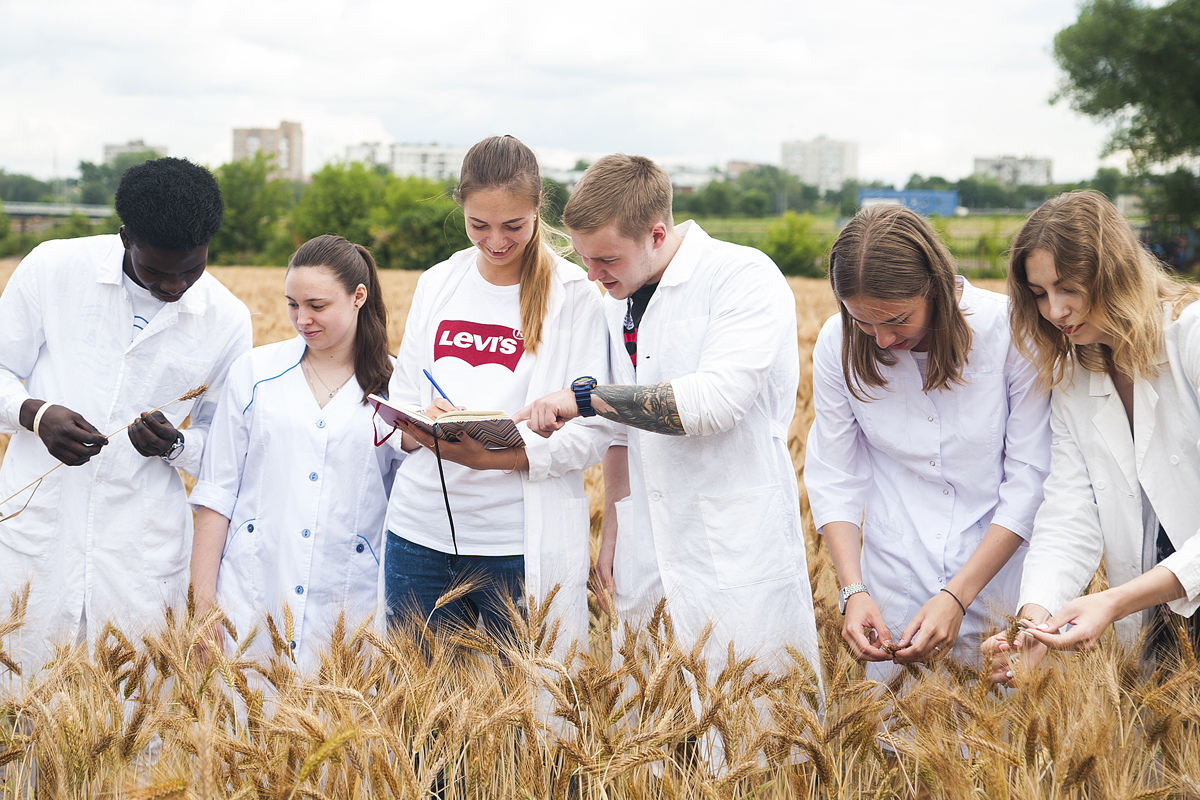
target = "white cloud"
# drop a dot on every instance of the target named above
(923, 85)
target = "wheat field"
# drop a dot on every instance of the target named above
(143, 716)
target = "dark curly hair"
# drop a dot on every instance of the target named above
(170, 203)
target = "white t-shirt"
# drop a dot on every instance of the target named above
(479, 360)
(145, 305)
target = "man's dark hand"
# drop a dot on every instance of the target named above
(152, 435)
(69, 437)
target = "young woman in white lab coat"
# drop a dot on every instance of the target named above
(497, 326)
(292, 491)
(931, 434)
(1119, 342)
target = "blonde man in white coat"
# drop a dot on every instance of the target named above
(101, 329)
(703, 508)
(1119, 342)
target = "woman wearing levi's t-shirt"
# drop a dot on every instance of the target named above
(497, 326)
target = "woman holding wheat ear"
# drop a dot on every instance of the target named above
(931, 435)
(292, 491)
(1117, 341)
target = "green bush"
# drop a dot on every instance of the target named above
(795, 247)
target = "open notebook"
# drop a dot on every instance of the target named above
(495, 429)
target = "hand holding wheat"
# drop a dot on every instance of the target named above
(93, 443)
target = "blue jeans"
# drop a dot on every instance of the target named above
(415, 577)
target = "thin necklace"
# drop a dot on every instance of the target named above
(310, 370)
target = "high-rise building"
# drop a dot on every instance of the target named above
(111, 151)
(1026, 171)
(822, 162)
(286, 143)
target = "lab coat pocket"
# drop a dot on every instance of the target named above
(634, 569)
(565, 554)
(166, 544)
(174, 375)
(238, 579)
(747, 536)
(981, 406)
(33, 534)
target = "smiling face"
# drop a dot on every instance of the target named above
(322, 312)
(1061, 304)
(166, 274)
(622, 265)
(893, 324)
(500, 224)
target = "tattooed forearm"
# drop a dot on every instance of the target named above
(651, 408)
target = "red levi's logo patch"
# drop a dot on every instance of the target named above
(478, 344)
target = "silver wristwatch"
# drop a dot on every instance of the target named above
(847, 592)
(174, 452)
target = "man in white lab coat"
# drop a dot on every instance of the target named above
(703, 509)
(96, 332)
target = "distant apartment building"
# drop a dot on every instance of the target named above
(1024, 171)
(111, 151)
(286, 143)
(430, 161)
(822, 162)
(372, 153)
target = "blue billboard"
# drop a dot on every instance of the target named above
(923, 201)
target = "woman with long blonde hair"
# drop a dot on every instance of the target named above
(1117, 342)
(497, 325)
(929, 446)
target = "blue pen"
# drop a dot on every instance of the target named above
(439, 389)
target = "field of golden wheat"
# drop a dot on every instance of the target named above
(143, 717)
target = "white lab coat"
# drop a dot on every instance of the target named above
(111, 537)
(574, 344)
(712, 521)
(931, 471)
(305, 490)
(1098, 469)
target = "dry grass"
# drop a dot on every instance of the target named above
(140, 718)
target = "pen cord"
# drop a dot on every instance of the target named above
(445, 495)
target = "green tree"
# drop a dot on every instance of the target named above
(795, 247)
(17, 188)
(254, 206)
(718, 198)
(753, 203)
(554, 200)
(416, 225)
(339, 200)
(98, 182)
(1135, 66)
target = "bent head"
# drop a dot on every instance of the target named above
(1073, 264)
(170, 209)
(619, 218)
(891, 276)
(335, 299)
(897, 289)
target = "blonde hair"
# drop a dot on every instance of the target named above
(631, 191)
(1096, 253)
(504, 162)
(890, 252)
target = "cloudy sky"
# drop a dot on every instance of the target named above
(923, 85)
